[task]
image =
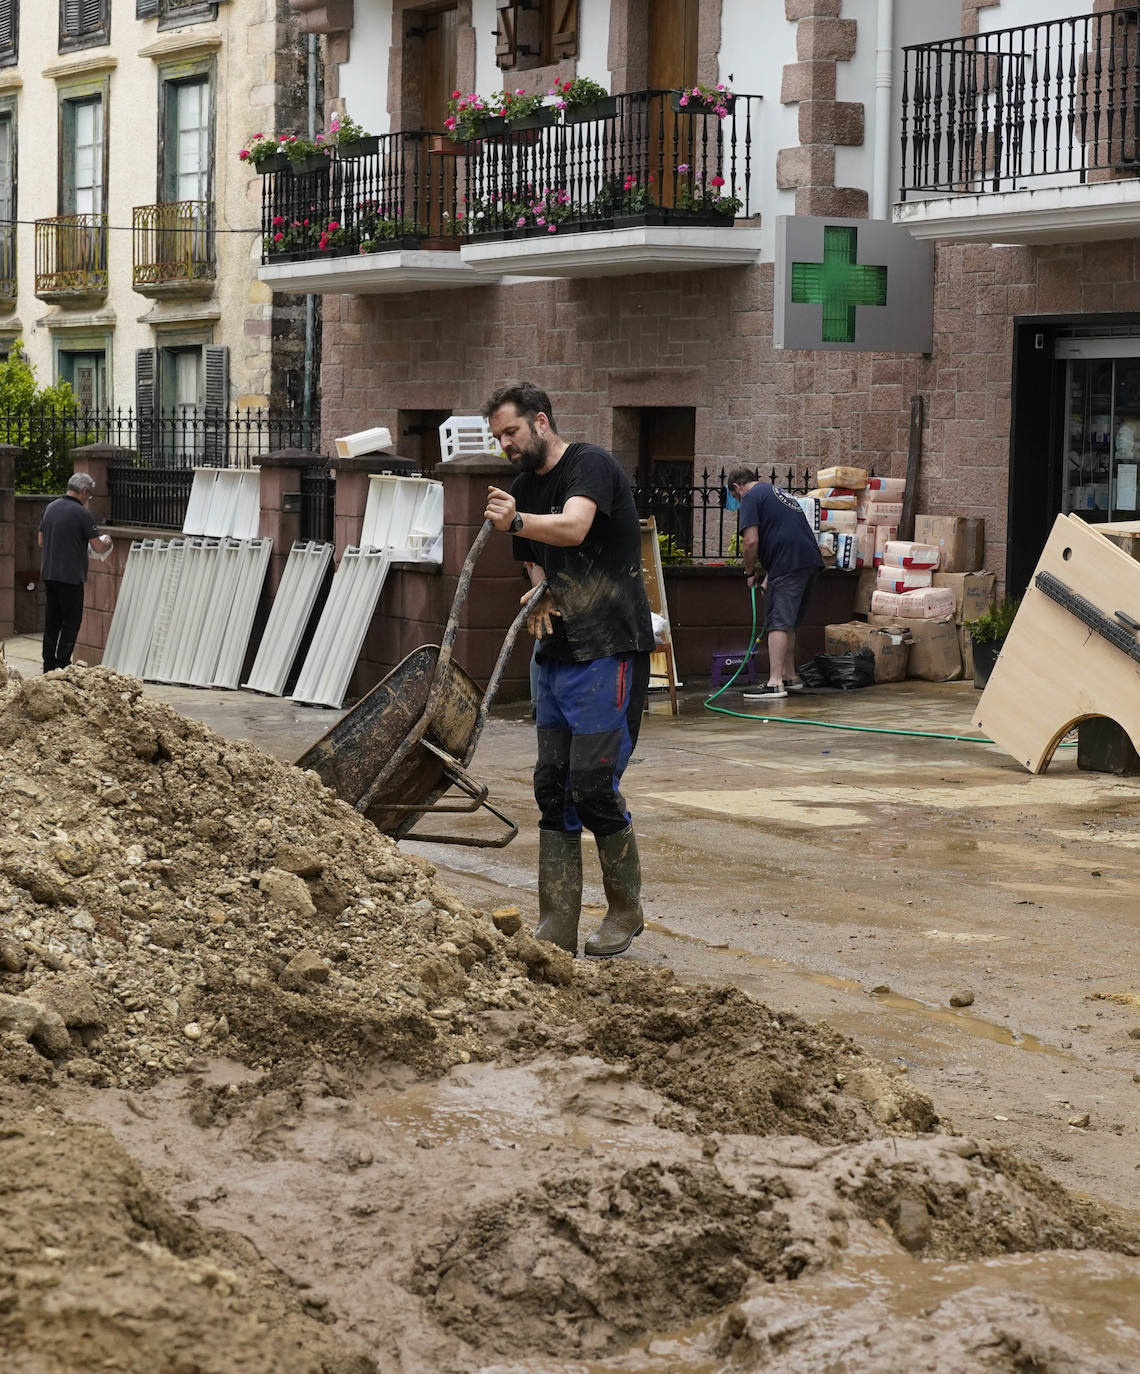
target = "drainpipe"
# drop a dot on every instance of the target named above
(884, 82)
(310, 299)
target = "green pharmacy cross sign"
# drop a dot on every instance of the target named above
(838, 284)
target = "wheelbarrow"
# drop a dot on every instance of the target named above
(409, 741)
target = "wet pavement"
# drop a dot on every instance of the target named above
(861, 877)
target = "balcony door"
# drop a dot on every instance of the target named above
(185, 173)
(673, 38)
(439, 31)
(7, 208)
(83, 157)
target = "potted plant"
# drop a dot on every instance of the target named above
(471, 117)
(698, 99)
(706, 200)
(288, 239)
(264, 154)
(379, 230)
(522, 111)
(305, 155)
(988, 634)
(581, 99)
(348, 138)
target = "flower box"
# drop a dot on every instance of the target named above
(404, 242)
(277, 163)
(695, 106)
(359, 147)
(540, 119)
(305, 166)
(493, 124)
(594, 109)
(445, 146)
(653, 215)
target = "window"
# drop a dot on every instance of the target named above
(9, 32)
(82, 166)
(181, 401)
(170, 13)
(185, 148)
(86, 371)
(7, 202)
(535, 33)
(84, 23)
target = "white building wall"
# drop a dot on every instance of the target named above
(243, 43)
(364, 77)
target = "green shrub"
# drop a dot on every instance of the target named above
(41, 421)
(996, 622)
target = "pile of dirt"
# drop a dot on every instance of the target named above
(171, 901)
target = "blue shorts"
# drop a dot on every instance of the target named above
(588, 717)
(786, 598)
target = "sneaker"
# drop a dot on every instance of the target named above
(794, 684)
(766, 692)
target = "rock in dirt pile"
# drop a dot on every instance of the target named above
(170, 900)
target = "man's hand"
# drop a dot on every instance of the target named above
(500, 508)
(540, 621)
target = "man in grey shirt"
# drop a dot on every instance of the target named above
(67, 531)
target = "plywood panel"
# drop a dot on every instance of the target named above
(1054, 671)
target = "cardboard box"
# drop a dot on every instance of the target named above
(935, 654)
(959, 539)
(966, 644)
(864, 589)
(891, 647)
(973, 592)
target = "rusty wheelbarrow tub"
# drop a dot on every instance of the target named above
(409, 741)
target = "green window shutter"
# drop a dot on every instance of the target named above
(216, 409)
(7, 28)
(146, 9)
(146, 402)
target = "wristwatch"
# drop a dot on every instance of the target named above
(515, 525)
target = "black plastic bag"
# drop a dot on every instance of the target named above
(845, 671)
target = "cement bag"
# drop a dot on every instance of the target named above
(902, 579)
(887, 488)
(811, 509)
(846, 552)
(905, 553)
(834, 498)
(845, 671)
(884, 535)
(843, 520)
(929, 603)
(882, 513)
(826, 541)
(853, 478)
(865, 544)
(885, 603)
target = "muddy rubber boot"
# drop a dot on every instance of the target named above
(621, 878)
(559, 888)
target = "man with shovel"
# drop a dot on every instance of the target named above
(575, 526)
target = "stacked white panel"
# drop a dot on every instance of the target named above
(343, 624)
(224, 503)
(292, 606)
(404, 516)
(169, 572)
(136, 607)
(192, 602)
(253, 559)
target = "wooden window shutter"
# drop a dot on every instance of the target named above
(7, 27)
(565, 29)
(506, 45)
(146, 9)
(71, 18)
(146, 402)
(214, 437)
(92, 16)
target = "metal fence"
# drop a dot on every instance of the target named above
(694, 524)
(1058, 99)
(318, 503)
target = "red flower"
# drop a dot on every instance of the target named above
(244, 154)
(278, 219)
(716, 181)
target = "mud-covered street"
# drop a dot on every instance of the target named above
(279, 1095)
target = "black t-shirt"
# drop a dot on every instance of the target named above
(597, 586)
(787, 541)
(66, 526)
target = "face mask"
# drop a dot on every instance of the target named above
(730, 501)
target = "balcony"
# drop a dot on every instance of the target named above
(71, 259)
(7, 266)
(1024, 135)
(641, 187)
(173, 249)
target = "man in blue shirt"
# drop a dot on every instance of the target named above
(67, 531)
(775, 536)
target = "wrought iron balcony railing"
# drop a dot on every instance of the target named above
(7, 262)
(989, 111)
(71, 257)
(643, 160)
(173, 248)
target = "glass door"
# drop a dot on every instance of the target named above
(1102, 429)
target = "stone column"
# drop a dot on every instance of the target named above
(498, 580)
(103, 579)
(280, 503)
(8, 456)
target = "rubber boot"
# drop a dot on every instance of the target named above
(621, 878)
(559, 888)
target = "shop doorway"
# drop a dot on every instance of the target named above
(665, 455)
